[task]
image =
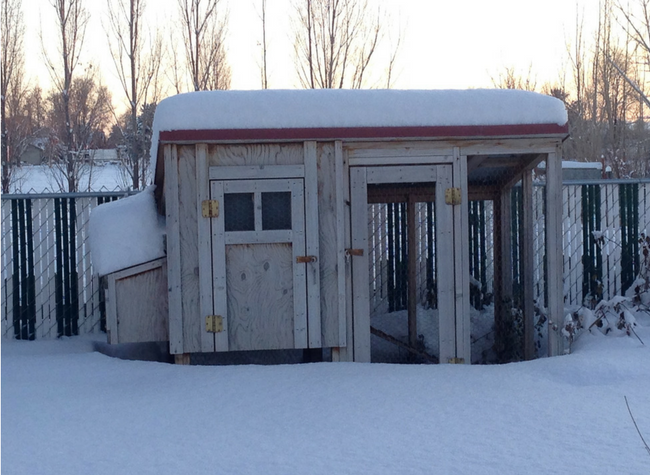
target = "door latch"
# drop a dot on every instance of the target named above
(306, 259)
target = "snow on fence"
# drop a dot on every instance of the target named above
(49, 289)
(48, 285)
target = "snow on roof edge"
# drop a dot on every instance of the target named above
(346, 108)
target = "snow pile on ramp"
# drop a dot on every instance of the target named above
(125, 233)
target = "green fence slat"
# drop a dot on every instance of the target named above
(16, 269)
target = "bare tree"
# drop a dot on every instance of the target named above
(263, 66)
(137, 59)
(335, 42)
(606, 113)
(584, 143)
(205, 24)
(509, 78)
(72, 19)
(392, 60)
(11, 79)
(88, 111)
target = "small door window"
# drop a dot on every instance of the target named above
(257, 210)
(276, 210)
(239, 210)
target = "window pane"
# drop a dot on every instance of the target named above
(276, 210)
(239, 211)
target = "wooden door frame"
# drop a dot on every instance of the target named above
(296, 236)
(448, 293)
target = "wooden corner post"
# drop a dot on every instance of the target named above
(173, 250)
(527, 253)
(554, 257)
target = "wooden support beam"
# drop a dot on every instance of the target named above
(554, 251)
(205, 247)
(461, 260)
(312, 245)
(345, 352)
(173, 250)
(412, 272)
(527, 251)
(503, 273)
(524, 167)
(182, 359)
(360, 285)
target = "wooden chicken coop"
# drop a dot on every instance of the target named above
(339, 220)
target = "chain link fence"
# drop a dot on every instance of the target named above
(48, 285)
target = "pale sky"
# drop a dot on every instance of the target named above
(446, 43)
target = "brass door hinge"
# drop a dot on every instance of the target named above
(452, 196)
(354, 252)
(214, 324)
(210, 208)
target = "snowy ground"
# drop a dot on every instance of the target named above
(44, 179)
(69, 410)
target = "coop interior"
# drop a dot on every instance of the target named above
(506, 264)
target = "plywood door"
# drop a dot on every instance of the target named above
(441, 177)
(259, 289)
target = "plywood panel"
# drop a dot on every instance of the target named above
(328, 259)
(141, 305)
(189, 250)
(256, 154)
(260, 296)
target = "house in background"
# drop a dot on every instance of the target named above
(579, 171)
(34, 154)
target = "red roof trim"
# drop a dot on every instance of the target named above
(363, 132)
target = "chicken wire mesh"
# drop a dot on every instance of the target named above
(401, 332)
(406, 331)
(508, 274)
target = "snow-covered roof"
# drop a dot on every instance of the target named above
(325, 108)
(589, 165)
(572, 164)
(345, 108)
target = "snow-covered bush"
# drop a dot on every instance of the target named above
(639, 291)
(618, 315)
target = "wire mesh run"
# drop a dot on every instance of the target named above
(390, 245)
